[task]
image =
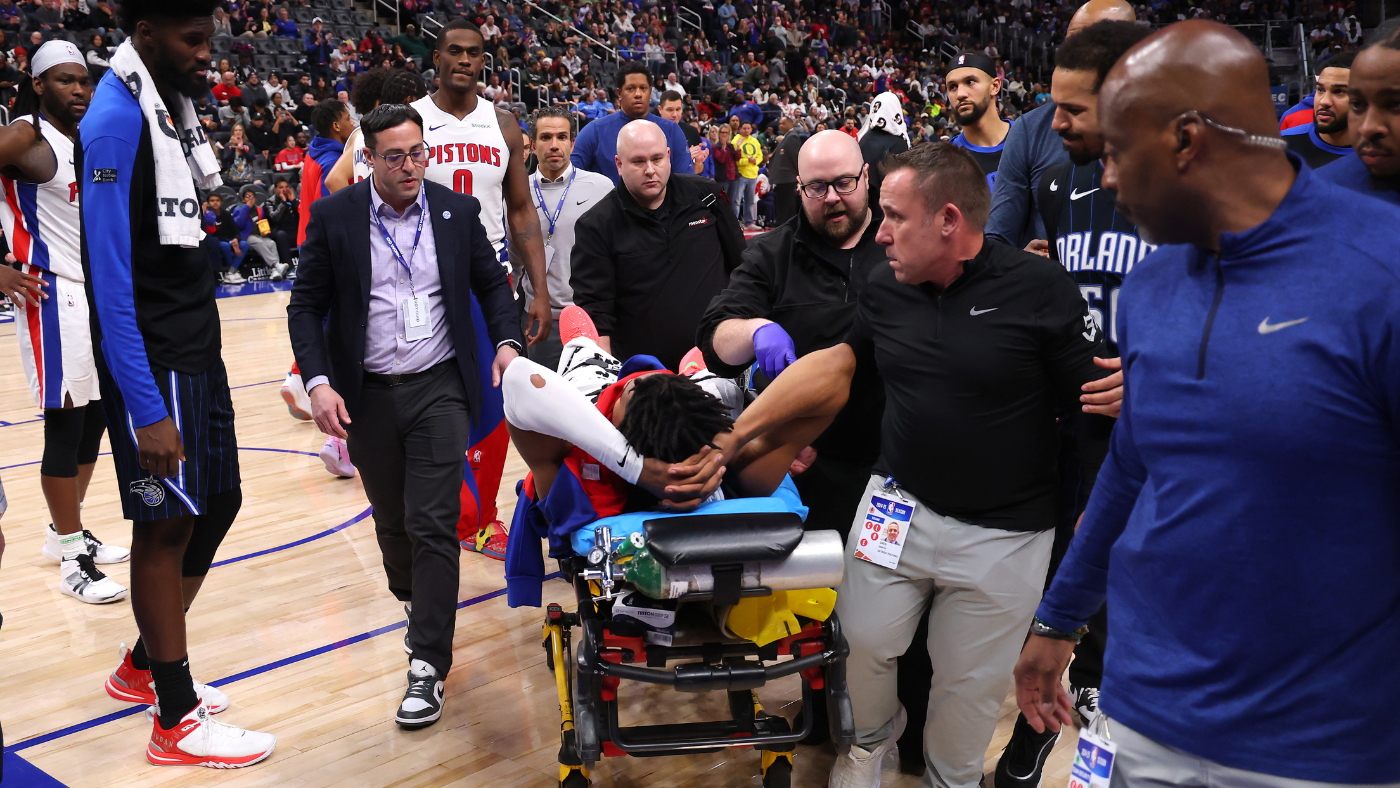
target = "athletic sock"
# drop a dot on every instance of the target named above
(139, 660)
(175, 695)
(72, 545)
(557, 409)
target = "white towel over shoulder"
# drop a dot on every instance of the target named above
(176, 226)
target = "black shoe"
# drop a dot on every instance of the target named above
(422, 703)
(1023, 760)
(1086, 702)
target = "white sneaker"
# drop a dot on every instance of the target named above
(294, 394)
(200, 740)
(279, 271)
(82, 580)
(588, 367)
(131, 685)
(101, 553)
(234, 278)
(422, 702)
(336, 457)
(859, 767)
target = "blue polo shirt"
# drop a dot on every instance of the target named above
(1351, 173)
(596, 148)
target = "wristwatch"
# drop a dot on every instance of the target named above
(1044, 630)
(516, 346)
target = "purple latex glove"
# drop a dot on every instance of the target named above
(773, 348)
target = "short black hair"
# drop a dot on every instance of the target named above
(325, 114)
(402, 87)
(1339, 60)
(553, 111)
(133, 11)
(460, 23)
(629, 68)
(671, 418)
(385, 117)
(364, 96)
(946, 174)
(1097, 47)
(672, 95)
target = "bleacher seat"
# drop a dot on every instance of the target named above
(265, 64)
(303, 15)
(288, 63)
(265, 46)
(286, 46)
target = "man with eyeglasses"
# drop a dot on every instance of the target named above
(390, 266)
(1243, 528)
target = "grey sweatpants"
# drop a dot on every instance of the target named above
(985, 584)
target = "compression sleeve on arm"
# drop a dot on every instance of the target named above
(108, 163)
(539, 400)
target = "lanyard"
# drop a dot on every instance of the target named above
(394, 247)
(559, 211)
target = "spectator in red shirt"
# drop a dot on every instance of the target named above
(289, 158)
(226, 89)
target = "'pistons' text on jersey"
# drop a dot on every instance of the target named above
(469, 156)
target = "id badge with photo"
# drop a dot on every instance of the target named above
(417, 323)
(1093, 759)
(888, 517)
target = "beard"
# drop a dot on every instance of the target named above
(973, 115)
(183, 82)
(837, 235)
(1083, 155)
(1339, 123)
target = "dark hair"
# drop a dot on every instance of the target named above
(628, 69)
(670, 417)
(671, 95)
(1097, 47)
(325, 114)
(947, 174)
(132, 11)
(460, 23)
(385, 117)
(1341, 60)
(364, 96)
(402, 87)
(553, 111)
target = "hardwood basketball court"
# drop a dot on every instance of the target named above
(296, 625)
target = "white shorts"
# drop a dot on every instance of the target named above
(55, 344)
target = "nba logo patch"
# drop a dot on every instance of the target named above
(962, 59)
(151, 492)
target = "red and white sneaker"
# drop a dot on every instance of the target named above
(692, 363)
(336, 456)
(136, 686)
(491, 540)
(574, 322)
(294, 394)
(200, 740)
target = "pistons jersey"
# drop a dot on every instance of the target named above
(41, 219)
(359, 164)
(469, 156)
(1095, 243)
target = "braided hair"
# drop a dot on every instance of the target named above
(671, 418)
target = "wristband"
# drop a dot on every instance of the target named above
(1044, 630)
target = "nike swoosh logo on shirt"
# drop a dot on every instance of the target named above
(1076, 194)
(975, 311)
(1266, 328)
(580, 202)
(1054, 186)
(435, 128)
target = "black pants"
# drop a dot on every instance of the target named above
(408, 442)
(785, 205)
(285, 240)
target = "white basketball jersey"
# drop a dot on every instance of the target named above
(41, 219)
(469, 156)
(357, 157)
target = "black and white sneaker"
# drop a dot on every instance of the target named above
(1023, 760)
(422, 703)
(1086, 702)
(81, 579)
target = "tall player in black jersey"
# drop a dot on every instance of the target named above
(973, 87)
(1098, 247)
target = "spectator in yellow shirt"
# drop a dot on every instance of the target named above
(749, 154)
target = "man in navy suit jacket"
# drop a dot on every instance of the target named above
(383, 307)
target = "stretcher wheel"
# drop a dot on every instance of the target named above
(778, 774)
(576, 779)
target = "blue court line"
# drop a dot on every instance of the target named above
(281, 663)
(357, 518)
(17, 423)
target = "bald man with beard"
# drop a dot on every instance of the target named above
(1254, 584)
(1031, 148)
(649, 256)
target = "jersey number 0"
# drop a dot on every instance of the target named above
(462, 181)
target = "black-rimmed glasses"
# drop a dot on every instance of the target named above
(397, 160)
(816, 190)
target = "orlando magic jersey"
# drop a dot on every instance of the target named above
(1095, 243)
(988, 158)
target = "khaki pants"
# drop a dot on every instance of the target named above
(985, 584)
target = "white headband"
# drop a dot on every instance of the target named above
(54, 52)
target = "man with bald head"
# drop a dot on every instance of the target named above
(1374, 118)
(796, 293)
(1254, 584)
(1032, 147)
(649, 256)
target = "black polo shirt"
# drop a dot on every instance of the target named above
(974, 378)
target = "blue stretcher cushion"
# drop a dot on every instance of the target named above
(783, 499)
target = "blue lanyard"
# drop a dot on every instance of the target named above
(559, 211)
(394, 247)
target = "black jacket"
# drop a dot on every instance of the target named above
(333, 284)
(283, 214)
(793, 277)
(645, 277)
(877, 145)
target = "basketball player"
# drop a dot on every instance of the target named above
(1098, 247)
(162, 379)
(1328, 137)
(1375, 117)
(475, 148)
(973, 88)
(40, 217)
